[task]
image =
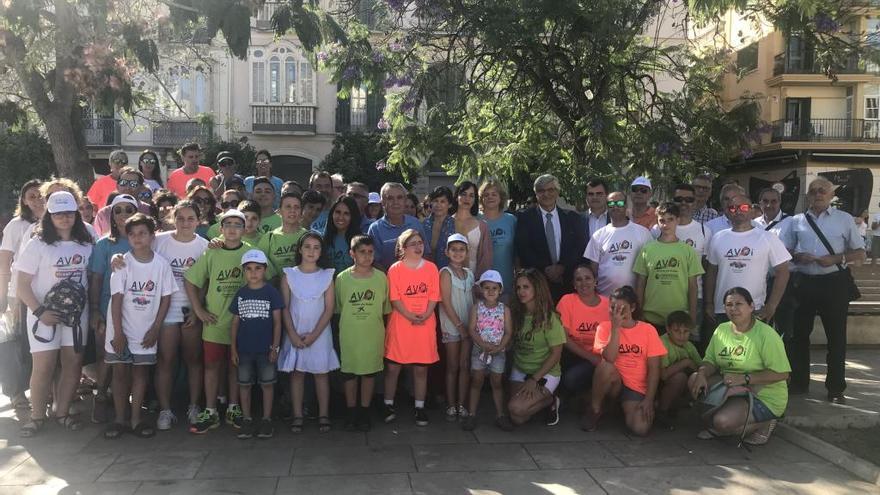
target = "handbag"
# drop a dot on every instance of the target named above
(717, 394)
(852, 289)
(68, 299)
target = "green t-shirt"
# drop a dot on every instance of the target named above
(532, 348)
(675, 353)
(759, 349)
(668, 266)
(362, 304)
(221, 270)
(269, 223)
(214, 232)
(280, 247)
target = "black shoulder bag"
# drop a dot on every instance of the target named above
(852, 288)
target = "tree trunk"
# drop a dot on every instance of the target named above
(65, 133)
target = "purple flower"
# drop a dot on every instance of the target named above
(350, 72)
(747, 153)
(825, 24)
(663, 149)
(322, 56)
(377, 57)
(383, 124)
(380, 165)
(395, 46)
(397, 5)
(390, 82)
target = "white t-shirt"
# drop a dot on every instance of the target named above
(13, 234)
(143, 285)
(743, 260)
(615, 250)
(29, 233)
(695, 235)
(876, 232)
(49, 264)
(180, 256)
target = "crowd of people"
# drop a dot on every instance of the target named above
(270, 295)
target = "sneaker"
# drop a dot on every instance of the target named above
(421, 417)
(468, 423)
(206, 421)
(451, 413)
(246, 430)
(504, 423)
(364, 423)
(390, 413)
(265, 429)
(166, 420)
(101, 409)
(233, 416)
(552, 417)
(192, 414)
(463, 412)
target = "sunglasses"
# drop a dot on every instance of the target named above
(121, 162)
(620, 203)
(128, 210)
(128, 182)
(684, 199)
(740, 208)
(151, 161)
(640, 189)
(263, 162)
(229, 204)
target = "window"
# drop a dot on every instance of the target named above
(358, 107)
(747, 59)
(305, 70)
(872, 111)
(287, 79)
(185, 92)
(258, 82)
(290, 80)
(274, 80)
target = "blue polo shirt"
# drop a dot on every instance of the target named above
(276, 183)
(385, 236)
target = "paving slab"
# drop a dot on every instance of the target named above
(80, 468)
(238, 486)
(482, 457)
(246, 464)
(725, 451)
(353, 460)
(151, 466)
(11, 457)
(406, 432)
(815, 478)
(569, 455)
(61, 488)
(362, 484)
(568, 430)
(651, 453)
(557, 482)
(715, 480)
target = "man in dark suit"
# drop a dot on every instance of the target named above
(549, 238)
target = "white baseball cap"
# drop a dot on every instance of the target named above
(124, 198)
(254, 256)
(230, 214)
(61, 202)
(642, 181)
(456, 238)
(374, 198)
(491, 276)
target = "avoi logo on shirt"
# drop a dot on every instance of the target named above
(629, 349)
(671, 262)
(619, 246)
(738, 252)
(588, 327)
(224, 275)
(66, 261)
(414, 289)
(359, 296)
(147, 286)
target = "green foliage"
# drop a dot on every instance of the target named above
(356, 156)
(24, 155)
(245, 154)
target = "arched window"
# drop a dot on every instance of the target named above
(286, 78)
(290, 92)
(274, 80)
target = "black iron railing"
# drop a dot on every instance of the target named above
(102, 132)
(827, 130)
(179, 132)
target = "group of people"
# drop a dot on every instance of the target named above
(250, 281)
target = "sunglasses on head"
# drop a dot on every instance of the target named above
(128, 182)
(741, 208)
(128, 210)
(620, 203)
(640, 189)
(684, 199)
(229, 204)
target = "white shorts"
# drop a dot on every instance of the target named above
(551, 381)
(63, 335)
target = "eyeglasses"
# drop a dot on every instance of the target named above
(684, 199)
(229, 204)
(128, 210)
(128, 183)
(151, 161)
(617, 204)
(741, 208)
(234, 226)
(640, 189)
(414, 244)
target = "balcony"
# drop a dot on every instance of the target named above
(102, 132)
(264, 15)
(826, 130)
(284, 118)
(804, 63)
(176, 133)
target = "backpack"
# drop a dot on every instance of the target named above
(68, 299)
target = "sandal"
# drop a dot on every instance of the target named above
(707, 434)
(69, 422)
(296, 425)
(324, 424)
(115, 431)
(143, 430)
(21, 402)
(32, 427)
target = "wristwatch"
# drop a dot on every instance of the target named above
(748, 378)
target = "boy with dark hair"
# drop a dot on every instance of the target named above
(312, 205)
(680, 361)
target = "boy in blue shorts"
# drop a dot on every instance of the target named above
(680, 361)
(255, 338)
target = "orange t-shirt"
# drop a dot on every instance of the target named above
(647, 219)
(177, 179)
(580, 321)
(406, 343)
(100, 191)
(637, 344)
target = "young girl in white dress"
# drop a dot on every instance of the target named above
(308, 342)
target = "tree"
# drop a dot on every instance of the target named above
(24, 155)
(58, 56)
(243, 152)
(360, 157)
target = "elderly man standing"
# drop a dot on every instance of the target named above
(642, 213)
(387, 229)
(549, 238)
(703, 190)
(102, 187)
(822, 240)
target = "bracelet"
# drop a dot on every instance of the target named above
(39, 311)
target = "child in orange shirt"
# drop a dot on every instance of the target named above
(411, 336)
(630, 367)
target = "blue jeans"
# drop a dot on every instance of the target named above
(578, 376)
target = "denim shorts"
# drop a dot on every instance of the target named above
(496, 362)
(628, 394)
(761, 412)
(126, 357)
(254, 366)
